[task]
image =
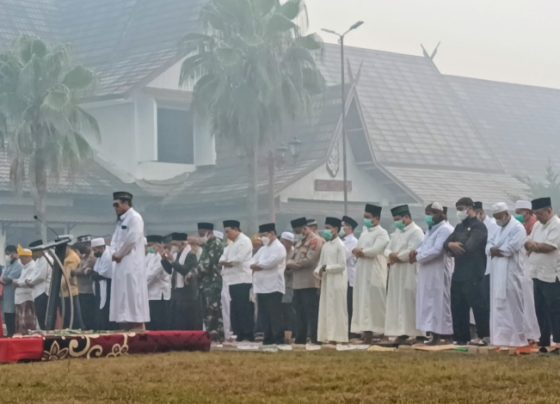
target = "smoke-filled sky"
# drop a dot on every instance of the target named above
(506, 40)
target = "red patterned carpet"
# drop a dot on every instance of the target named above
(54, 347)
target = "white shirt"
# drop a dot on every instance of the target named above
(350, 243)
(104, 267)
(38, 277)
(239, 255)
(23, 292)
(272, 259)
(546, 267)
(159, 281)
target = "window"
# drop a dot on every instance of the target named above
(175, 136)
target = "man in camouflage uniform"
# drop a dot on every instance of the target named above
(305, 285)
(210, 281)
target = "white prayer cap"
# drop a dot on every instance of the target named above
(97, 242)
(500, 207)
(523, 205)
(218, 234)
(288, 236)
(437, 206)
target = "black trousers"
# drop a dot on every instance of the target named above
(87, 308)
(102, 315)
(547, 307)
(288, 317)
(159, 315)
(10, 320)
(350, 305)
(270, 309)
(306, 303)
(185, 310)
(41, 309)
(242, 312)
(78, 323)
(466, 295)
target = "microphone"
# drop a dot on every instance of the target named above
(44, 224)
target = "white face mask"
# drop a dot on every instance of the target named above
(265, 240)
(8, 258)
(461, 215)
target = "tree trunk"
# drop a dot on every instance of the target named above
(40, 194)
(271, 180)
(253, 196)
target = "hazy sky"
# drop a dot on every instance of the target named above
(507, 40)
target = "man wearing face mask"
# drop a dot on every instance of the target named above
(400, 318)
(331, 270)
(524, 215)
(506, 296)
(210, 281)
(543, 247)
(102, 274)
(435, 266)
(268, 283)
(306, 286)
(350, 243)
(370, 290)
(467, 245)
(236, 262)
(159, 285)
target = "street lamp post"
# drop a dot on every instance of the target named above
(343, 100)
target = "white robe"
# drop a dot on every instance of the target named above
(531, 324)
(104, 266)
(433, 288)
(400, 318)
(129, 288)
(507, 324)
(333, 311)
(370, 290)
(350, 243)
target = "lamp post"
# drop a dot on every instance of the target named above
(343, 100)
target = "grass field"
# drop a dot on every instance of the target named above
(303, 377)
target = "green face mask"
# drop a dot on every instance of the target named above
(429, 219)
(399, 224)
(520, 218)
(368, 223)
(327, 235)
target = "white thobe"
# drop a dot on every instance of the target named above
(104, 267)
(272, 260)
(129, 288)
(333, 306)
(433, 287)
(370, 290)
(226, 298)
(159, 281)
(400, 317)
(350, 243)
(492, 228)
(507, 324)
(532, 331)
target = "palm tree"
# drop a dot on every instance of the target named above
(41, 122)
(252, 71)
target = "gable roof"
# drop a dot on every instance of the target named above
(126, 42)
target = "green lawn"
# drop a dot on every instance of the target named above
(310, 377)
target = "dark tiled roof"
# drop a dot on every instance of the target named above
(126, 42)
(520, 123)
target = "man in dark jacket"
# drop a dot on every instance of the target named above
(467, 244)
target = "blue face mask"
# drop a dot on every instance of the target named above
(327, 235)
(399, 224)
(368, 223)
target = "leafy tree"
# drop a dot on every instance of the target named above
(252, 71)
(41, 122)
(550, 186)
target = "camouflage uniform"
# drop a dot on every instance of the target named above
(210, 284)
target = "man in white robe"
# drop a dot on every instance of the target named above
(524, 215)
(350, 243)
(103, 273)
(507, 326)
(400, 317)
(331, 269)
(129, 292)
(435, 266)
(370, 290)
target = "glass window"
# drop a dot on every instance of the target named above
(175, 136)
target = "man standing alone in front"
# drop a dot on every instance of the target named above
(129, 291)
